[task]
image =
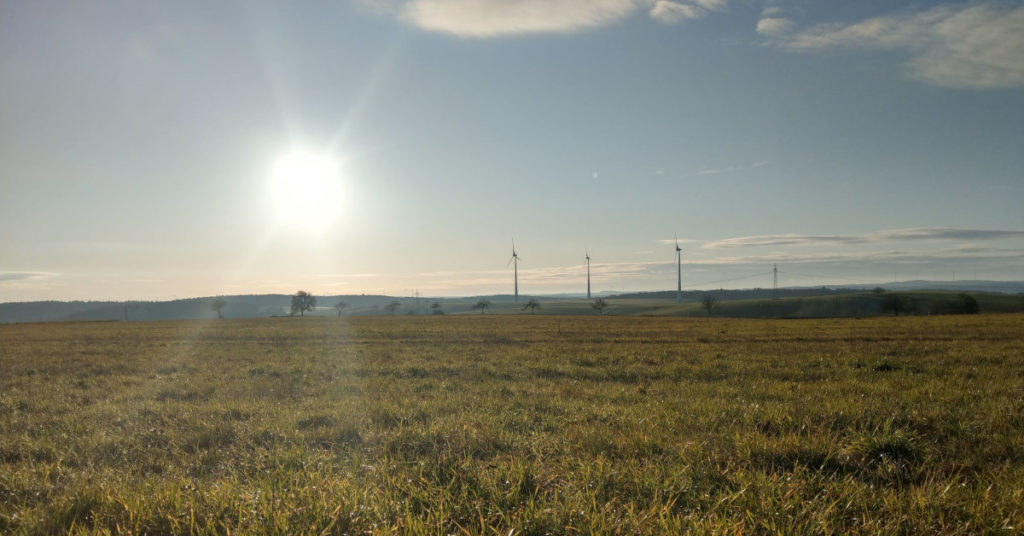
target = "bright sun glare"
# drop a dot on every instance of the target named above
(305, 190)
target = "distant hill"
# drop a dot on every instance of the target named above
(240, 306)
(1005, 287)
(927, 297)
(732, 294)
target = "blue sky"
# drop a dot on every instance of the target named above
(848, 142)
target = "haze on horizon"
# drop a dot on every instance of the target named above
(154, 150)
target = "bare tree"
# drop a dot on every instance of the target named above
(303, 301)
(340, 306)
(709, 302)
(217, 305)
(482, 305)
(600, 305)
(532, 305)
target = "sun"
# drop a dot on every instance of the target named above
(305, 190)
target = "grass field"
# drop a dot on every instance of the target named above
(514, 425)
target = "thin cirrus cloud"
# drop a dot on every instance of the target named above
(644, 272)
(731, 169)
(841, 260)
(22, 276)
(978, 45)
(496, 18)
(869, 238)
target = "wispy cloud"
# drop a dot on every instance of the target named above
(730, 169)
(977, 45)
(671, 241)
(774, 26)
(711, 5)
(673, 12)
(701, 271)
(349, 276)
(886, 256)
(876, 237)
(23, 276)
(495, 18)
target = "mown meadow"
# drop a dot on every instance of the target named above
(517, 424)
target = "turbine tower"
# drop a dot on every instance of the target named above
(775, 281)
(588, 273)
(679, 272)
(514, 260)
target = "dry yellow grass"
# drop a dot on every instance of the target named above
(529, 424)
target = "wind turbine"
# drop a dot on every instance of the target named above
(515, 269)
(588, 272)
(679, 272)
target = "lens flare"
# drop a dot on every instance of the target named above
(305, 189)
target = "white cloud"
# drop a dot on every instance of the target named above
(978, 45)
(774, 26)
(495, 18)
(492, 18)
(673, 13)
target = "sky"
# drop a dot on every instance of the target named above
(156, 150)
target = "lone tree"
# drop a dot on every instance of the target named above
(709, 302)
(532, 305)
(482, 305)
(393, 306)
(303, 301)
(897, 303)
(217, 304)
(600, 305)
(436, 307)
(968, 305)
(340, 306)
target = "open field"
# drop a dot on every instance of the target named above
(514, 425)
